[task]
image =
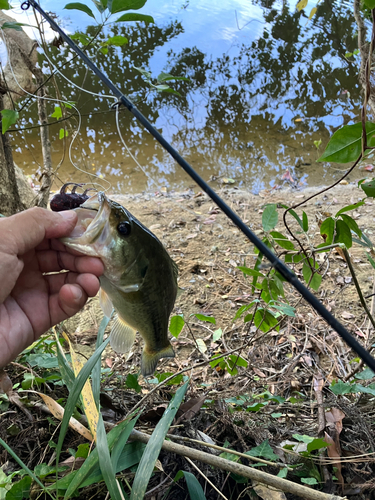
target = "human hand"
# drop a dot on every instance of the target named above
(31, 299)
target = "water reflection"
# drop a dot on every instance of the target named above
(259, 95)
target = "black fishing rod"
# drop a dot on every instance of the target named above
(276, 262)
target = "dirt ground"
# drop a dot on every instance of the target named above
(297, 363)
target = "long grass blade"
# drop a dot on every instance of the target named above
(75, 394)
(151, 453)
(97, 370)
(105, 463)
(25, 468)
(195, 489)
(67, 373)
(91, 463)
(121, 442)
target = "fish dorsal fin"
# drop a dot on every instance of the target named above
(122, 336)
(105, 303)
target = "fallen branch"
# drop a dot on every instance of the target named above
(242, 470)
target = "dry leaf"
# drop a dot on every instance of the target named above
(318, 383)
(88, 401)
(334, 453)
(5, 382)
(336, 417)
(267, 492)
(201, 346)
(347, 315)
(58, 412)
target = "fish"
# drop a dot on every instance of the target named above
(139, 279)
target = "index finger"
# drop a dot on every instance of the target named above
(26, 230)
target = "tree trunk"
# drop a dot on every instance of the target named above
(10, 201)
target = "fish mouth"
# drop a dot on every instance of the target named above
(91, 233)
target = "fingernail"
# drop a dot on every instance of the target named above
(68, 215)
(77, 293)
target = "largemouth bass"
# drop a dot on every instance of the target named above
(139, 280)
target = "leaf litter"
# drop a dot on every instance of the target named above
(289, 372)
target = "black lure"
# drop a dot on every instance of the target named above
(68, 201)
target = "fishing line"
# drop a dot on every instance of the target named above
(60, 101)
(263, 249)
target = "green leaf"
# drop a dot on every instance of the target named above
(370, 4)
(176, 325)
(370, 259)
(14, 26)
(366, 374)
(283, 473)
(132, 16)
(238, 360)
(346, 144)
(121, 5)
(20, 489)
(208, 319)
(63, 133)
(57, 113)
(9, 118)
(263, 450)
(327, 229)
(117, 41)
(264, 320)
(243, 309)
(101, 6)
(105, 462)
(316, 281)
(143, 72)
(339, 388)
(217, 334)
(132, 382)
(80, 6)
(305, 222)
(350, 207)
(282, 240)
(148, 460)
(270, 216)
(250, 272)
(165, 77)
(351, 223)
(4, 5)
(343, 234)
(195, 489)
(309, 480)
(369, 188)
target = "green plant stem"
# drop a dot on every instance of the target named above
(358, 288)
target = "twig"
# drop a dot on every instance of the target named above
(242, 470)
(225, 450)
(357, 286)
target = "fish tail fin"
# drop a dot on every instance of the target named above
(150, 359)
(122, 336)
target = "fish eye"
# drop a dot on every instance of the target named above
(124, 228)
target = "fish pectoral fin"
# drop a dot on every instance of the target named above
(150, 358)
(122, 336)
(105, 303)
(130, 288)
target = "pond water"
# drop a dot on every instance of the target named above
(264, 84)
